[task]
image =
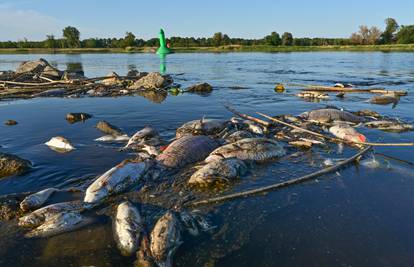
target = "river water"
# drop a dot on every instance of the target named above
(355, 217)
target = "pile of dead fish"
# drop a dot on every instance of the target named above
(221, 151)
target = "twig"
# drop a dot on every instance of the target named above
(247, 117)
(279, 185)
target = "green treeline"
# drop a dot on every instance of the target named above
(392, 34)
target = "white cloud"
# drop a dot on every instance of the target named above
(19, 23)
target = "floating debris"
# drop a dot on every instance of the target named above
(60, 144)
(10, 122)
(75, 117)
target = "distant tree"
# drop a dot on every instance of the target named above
(273, 39)
(287, 39)
(217, 39)
(226, 40)
(406, 35)
(50, 41)
(72, 35)
(366, 36)
(388, 36)
(129, 39)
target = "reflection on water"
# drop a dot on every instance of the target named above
(163, 63)
(357, 217)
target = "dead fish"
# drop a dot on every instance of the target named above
(60, 143)
(165, 239)
(253, 127)
(41, 215)
(187, 150)
(391, 126)
(193, 223)
(255, 149)
(218, 170)
(75, 117)
(113, 138)
(330, 114)
(108, 128)
(36, 200)
(238, 135)
(128, 226)
(58, 224)
(147, 135)
(115, 180)
(312, 94)
(347, 133)
(384, 99)
(201, 127)
(368, 113)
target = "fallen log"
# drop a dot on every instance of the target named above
(321, 88)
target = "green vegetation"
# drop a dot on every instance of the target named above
(393, 38)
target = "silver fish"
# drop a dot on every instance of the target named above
(253, 127)
(41, 215)
(165, 239)
(113, 138)
(218, 170)
(238, 135)
(384, 99)
(36, 200)
(347, 133)
(128, 226)
(115, 180)
(255, 149)
(201, 127)
(58, 224)
(147, 135)
(329, 114)
(187, 150)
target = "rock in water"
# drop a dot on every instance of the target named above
(12, 165)
(201, 127)
(218, 170)
(115, 180)
(165, 239)
(35, 67)
(128, 226)
(10, 122)
(329, 114)
(200, 88)
(108, 128)
(347, 133)
(60, 144)
(187, 150)
(58, 224)
(75, 117)
(41, 215)
(36, 200)
(255, 149)
(153, 80)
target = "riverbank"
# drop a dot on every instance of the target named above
(228, 48)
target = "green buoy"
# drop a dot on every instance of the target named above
(163, 49)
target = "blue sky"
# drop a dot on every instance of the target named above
(34, 19)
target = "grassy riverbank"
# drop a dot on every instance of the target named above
(229, 48)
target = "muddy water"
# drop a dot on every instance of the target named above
(356, 217)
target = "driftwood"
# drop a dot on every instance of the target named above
(321, 88)
(272, 187)
(247, 117)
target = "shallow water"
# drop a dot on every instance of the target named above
(357, 217)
